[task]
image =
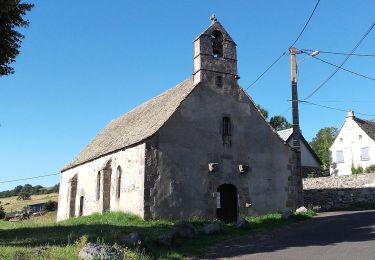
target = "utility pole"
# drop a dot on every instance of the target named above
(296, 129)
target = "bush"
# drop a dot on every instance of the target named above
(24, 195)
(357, 170)
(50, 205)
(371, 168)
(2, 212)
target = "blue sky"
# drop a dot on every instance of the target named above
(83, 63)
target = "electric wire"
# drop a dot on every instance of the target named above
(332, 108)
(341, 68)
(304, 27)
(264, 72)
(342, 63)
(284, 53)
(342, 53)
(29, 178)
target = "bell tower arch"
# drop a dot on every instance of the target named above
(215, 57)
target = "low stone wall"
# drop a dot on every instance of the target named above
(337, 192)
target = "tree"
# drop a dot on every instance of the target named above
(279, 123)
(321, 144)
(263, 111)
(12, 14)
(2, 212)
(24, 195)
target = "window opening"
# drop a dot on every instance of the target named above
(118, 187)
(98, 187)
(339, 156)
(226, 131)
(219, 81)
(217, 44)
(365, 154)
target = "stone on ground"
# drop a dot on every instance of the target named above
(301, 210)
(184, 228)
(166, 239)
(211, 228)
(242, 223)
(98, 251)
(287, 214)
(132, 239)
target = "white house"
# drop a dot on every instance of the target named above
(353, 146)
(310, 162)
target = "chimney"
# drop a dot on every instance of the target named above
(350, 115)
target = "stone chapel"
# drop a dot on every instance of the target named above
(202, 148)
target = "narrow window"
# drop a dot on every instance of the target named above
(81, 200)
(118, 186)
(219, 81)
(339, 156)
(365, 154)
(226, 126)
(217, 44)
(98, 186)
(226, 131)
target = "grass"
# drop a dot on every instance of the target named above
(12, 204)
(42, 238)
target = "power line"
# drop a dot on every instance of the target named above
(341, 68)
(308, 21)
(332, 108)
(342, 53)
(29, 178)
(269, 67)
(284, 53)
(342, 63)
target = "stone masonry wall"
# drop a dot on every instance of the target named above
(339, 192)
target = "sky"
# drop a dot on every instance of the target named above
(84, 63)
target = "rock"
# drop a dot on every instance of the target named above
(301, 210)
(242, 223)
(99, 251)
(287, 214)
(132, 239)
(166, 239)
(317, 208)
(184, 228)
(211, 228)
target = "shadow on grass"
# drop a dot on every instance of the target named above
(67, 233)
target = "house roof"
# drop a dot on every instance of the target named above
(135, 126)
(286, 135)
(367, 126)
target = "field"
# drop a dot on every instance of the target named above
(11, 203)
(42, 238)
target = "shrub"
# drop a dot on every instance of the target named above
(2, 212)
(371, 168)
(50, 205)
(357, 170)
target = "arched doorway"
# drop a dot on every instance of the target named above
(226, 208)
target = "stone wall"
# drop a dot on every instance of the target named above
(338, 192)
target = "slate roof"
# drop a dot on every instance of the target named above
(367, 126)
(286, 135)
(135, 126)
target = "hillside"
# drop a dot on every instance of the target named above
(11, 203)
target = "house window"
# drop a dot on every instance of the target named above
(118, 186)
(98, 186)
(81, 200)
(365, 155)
(339, 156)
(227, 129)
(360, 137)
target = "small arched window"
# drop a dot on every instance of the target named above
(118, 186)
(217, 44)
(98, 186)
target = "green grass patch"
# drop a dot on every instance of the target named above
(42, 238)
